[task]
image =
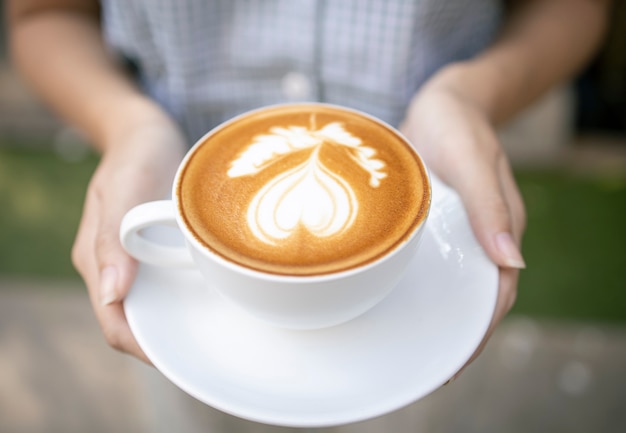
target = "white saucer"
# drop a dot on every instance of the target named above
(398, 352)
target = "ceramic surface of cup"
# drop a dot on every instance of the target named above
(305, 215)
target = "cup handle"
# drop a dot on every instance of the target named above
(154, 213)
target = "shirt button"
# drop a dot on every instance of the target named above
(296, 86)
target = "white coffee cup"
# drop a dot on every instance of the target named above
(288, 301)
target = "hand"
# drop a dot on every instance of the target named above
(138, 166)
(459, 144)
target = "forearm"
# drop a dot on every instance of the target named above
(60, 52)
(543, 43)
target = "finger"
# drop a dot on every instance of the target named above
(506, 298)
(117, 332)
(116, 269)
(82, 250)
(508, 277)
(480, 184)
(514, 200)
(111, 317)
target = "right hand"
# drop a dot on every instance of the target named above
(459, 143)
(138, 166)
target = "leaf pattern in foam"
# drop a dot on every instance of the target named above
(266, 148)
(280, 141)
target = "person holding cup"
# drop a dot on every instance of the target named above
(446, 73)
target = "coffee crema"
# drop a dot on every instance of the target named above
(303, 189)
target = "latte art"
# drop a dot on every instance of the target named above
(304, 189)
(309, 196)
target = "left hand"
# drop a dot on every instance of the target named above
(459, 144)
(137, 166)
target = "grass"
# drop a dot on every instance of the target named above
(574, 246)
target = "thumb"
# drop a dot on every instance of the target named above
(116, 268)
(494, 208)
(115, 281)
(117, 272)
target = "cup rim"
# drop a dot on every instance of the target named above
(271, 276)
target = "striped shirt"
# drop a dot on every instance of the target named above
(206, 61)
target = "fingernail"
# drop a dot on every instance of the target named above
(108, 280)
(512, 256)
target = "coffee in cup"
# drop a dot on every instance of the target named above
(306, 215)
(303, 190)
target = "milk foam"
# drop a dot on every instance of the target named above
(303, 189)
(309, 196)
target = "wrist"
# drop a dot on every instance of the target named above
(129, 115)
(482, 83)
